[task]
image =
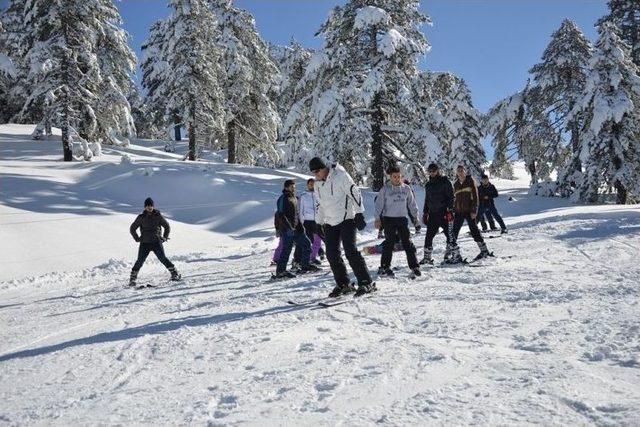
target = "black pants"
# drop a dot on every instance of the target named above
(345, 233)
(310, 228)
(459, 219)
(156, 248)
(397, 228)
(489, 209)
(436, 222)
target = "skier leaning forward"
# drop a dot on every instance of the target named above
(396, 202)
(150, 222)
(340, 210)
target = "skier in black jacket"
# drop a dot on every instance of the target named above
(487, 192)
(151, 222)
(437, 212)
(291, 231)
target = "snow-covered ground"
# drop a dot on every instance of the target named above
(550, 336)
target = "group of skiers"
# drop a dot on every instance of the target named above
(332, 210)
(339, 212)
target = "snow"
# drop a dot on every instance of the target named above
(6, 66)
(390, 42)
(369, 16)
(550, 336)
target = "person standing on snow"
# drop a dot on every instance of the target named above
(150, 222)
(340, 211)
(487, 193)
(396, 202)
(290, 229)
(437, 212)
(466, 208)
(308, 209)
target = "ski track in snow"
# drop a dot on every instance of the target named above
(550, 336)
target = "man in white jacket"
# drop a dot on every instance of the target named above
(340, 210)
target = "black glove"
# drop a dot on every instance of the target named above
(164, 239)
(136, 238)
(418, 227)
(361, 224)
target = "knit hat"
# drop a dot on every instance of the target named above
(316, 164)
(148, 202)
(432, 167)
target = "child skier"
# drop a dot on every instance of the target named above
(150, 222)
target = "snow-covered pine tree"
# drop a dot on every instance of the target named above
(117, 63)
(610, 147)
(460, 130)
(189, 83)
(625, 14)
(248, 76)
(15, 41)
(561, 78)
(291, 60)
(361, 83)
(75, 59)
(155, 72)
(8, 73)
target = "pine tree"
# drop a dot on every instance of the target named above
(248, 77)
(610, 149)
(625, 14)
(361, 83)
(8, 73)
(561, 79)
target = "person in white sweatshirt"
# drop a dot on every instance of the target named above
(340, 211)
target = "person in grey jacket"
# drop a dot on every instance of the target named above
(394, 205)
(151, 223)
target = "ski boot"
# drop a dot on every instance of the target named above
(295, 267)
(342, 290)
(133, 278)
(448, 251)
(316, 261)
(311, 268)
(385, 272)
(484, 252)
(415, 272)
(427, 259)
(365, 288)
(175, 276)
(455, 257)
(503, 231)
(284, 275)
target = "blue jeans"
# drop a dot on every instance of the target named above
(491, 211)
(301, 241)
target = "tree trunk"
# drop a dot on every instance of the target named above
(66, 143)
(177, 134)
(575, 146)
(193, 148)
(231, 142)
(377, 160)
(532, 171)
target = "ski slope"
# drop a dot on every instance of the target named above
(549, 336)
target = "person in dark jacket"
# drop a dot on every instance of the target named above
(437, 212)
(151, 224)
(290, 230)
(487, 193)
(466, 208)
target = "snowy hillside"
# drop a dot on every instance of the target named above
(547, 333)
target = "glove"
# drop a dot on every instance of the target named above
(164, 239)
(359, 221)
(136, 238)
(418, 227)
(425, 218)
(448, 216)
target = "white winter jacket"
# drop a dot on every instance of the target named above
(308, 206)
(338, 197)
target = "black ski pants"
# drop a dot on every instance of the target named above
(395, 228)
(143, 252)
(437, 221)
(345, 233)
(459, 219)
